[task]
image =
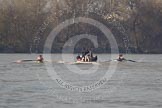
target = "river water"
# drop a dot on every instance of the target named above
(33, 85)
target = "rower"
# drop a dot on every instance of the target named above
(120, 58)
(87, 58)
(84, 52)
(40, 59)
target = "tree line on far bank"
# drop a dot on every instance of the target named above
(22, 24)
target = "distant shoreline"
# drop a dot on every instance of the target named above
(76, 51)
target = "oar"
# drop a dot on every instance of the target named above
(121, 61)
(127, 60)
(130, 60)
(19, 61)
(28, 60)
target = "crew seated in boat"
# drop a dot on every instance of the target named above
(121, 57)
(40, 59)
(86, 56)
